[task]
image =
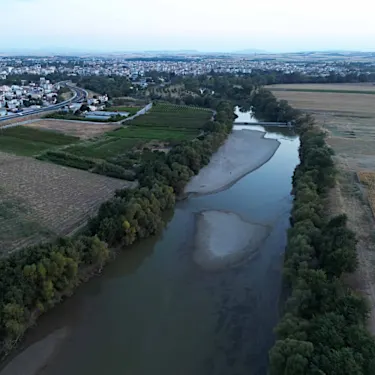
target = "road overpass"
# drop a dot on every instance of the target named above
(79, 95)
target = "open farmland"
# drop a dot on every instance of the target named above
(349, 120)
(41, 200)
(25, 141)
(164, 116)
(113, 153)
(348, 88)
(342, 102)
(80, 129)
(103, 148)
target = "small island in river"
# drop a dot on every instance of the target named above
(243, 152)
(224, 238)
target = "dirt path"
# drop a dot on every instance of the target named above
(348, 197)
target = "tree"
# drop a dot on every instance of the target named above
(291, 357)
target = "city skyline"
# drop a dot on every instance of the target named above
(120, 26)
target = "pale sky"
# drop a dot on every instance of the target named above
(204, 25)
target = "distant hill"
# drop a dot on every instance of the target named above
(249, 51)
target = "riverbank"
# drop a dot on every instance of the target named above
(243, 152)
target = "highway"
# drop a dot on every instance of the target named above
(79, 96)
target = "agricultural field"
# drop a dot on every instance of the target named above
(164, 122)
(104, 148)
(347, 88)
(26, 141)
(43, 200)
(349, 120)
(116, 152)
(82, 130)
(145, 134)
(168, 116)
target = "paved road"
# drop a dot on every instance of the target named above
(79, 96)
(143, 111)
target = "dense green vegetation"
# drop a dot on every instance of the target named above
(34, 279)
(243, 91)
(168, 116)
(93, 165)
(323, 330)
(112, 86)
(27, 141)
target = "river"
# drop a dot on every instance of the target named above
(155, 310)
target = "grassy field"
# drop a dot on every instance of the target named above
(82, 130)
(41, 200)
(26, 141)
(349, 120)
(104, 148)
(142, 133)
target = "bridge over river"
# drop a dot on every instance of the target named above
(262, 123)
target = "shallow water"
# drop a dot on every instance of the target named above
(156, 311)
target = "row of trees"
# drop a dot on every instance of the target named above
(135, 214)
(323, 330)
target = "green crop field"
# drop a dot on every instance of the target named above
(25, 141)
(154, 134)
(168, 116)
(112, 154)
(104, 148)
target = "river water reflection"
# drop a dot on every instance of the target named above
(155, 311)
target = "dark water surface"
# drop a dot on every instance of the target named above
(154, 311)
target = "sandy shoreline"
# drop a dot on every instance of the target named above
(243, 152)
(223, 239)
(36, 356)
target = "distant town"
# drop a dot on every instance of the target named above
(41, 87)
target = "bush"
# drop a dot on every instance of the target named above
(113, 170)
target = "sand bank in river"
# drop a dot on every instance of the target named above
(243, 152)
(36, 356)
(224, 238)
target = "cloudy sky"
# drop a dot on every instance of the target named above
(205, 25)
